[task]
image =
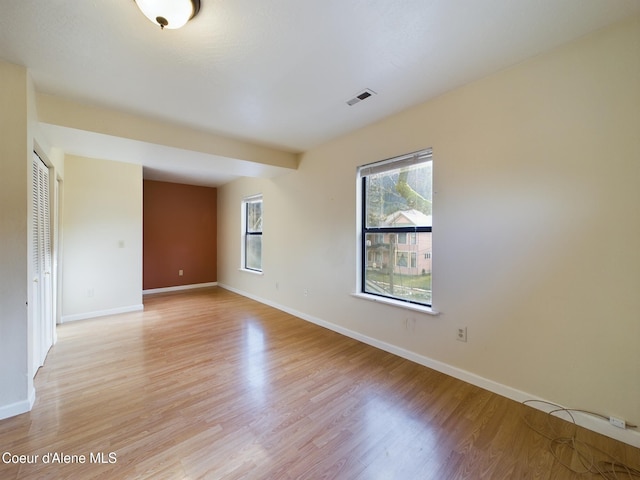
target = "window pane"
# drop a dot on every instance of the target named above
(254, 216)
(253, 252)
(398, 270)
(399, 197)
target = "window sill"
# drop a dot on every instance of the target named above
(397, 303)
(255, 272)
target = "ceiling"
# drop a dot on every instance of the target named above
(274, 73)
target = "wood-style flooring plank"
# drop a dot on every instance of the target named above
(209, 384)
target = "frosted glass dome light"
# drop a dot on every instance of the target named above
(169, 13)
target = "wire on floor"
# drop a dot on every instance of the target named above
(606, 466)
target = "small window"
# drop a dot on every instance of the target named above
(396, 228)
(252, 233)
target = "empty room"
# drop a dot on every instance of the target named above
(353, 240)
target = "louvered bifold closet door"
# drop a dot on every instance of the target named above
(42, 262)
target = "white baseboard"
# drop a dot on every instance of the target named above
(101, 313)
(179, 287)
(18, 408)
(587, 421)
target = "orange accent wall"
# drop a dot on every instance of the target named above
(179, 233)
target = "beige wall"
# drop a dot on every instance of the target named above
(102, 228)
(14, 148)
(536, 228)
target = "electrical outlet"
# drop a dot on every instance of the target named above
(180, 273)
(461, 334)
(617, 422)
(306, 292)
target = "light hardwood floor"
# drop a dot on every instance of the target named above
(208, 384)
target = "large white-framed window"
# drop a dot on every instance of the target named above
(252, 233)
(395, 229)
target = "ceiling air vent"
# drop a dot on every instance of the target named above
(363, 95)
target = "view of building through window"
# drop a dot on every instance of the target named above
(396, 228)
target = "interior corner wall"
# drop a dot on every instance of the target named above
(180, 234)
(102, 229)
(16, 386)
(536, 227)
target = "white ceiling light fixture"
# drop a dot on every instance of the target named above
(169, 13)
